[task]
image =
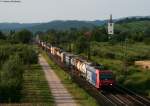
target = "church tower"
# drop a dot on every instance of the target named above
(110, 26)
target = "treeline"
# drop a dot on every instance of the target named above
(133, 32)
(13, 37)
(132, 19)
(99, 34)
(74, 36)
(15, 56)
(78, 40)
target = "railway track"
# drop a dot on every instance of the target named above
(112, 96)
(123, 97)
(144, 101)
(101, 99)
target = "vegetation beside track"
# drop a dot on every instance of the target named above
(22, 81)
(112, 57)
(35, 91)
(118, 53)
(15, 58)
(80, 95)
(35, 87)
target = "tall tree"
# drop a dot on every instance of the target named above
(23, 36)
(2, 36)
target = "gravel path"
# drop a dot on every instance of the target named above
(61, 96)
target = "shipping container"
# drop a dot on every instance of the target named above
(58, 52)
(73, 60)
(91, 77)
(63, 57)
(68, 57)
(51, 49)
(80, 65)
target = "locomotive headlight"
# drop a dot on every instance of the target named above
(110, 84)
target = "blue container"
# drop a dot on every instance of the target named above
(91, 75)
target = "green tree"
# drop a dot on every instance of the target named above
(2, 36)
(28, 56)
(11, 79)
(147, 36)
(82, 45)
(99, 35)
(23, 36)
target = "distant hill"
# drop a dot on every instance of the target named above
(98, 22)
(58, 25)
(15, 26)
(62, 25)
(65, 25)
(132, 19)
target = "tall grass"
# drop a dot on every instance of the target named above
(36, 90)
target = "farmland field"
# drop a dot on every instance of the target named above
(35, 89)
(112, 57)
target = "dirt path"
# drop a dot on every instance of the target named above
(61, 96)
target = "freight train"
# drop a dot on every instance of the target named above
(91, 72)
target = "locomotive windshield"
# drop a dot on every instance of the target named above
(106, 76)
(98, 66)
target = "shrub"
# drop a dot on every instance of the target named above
(147, 41)
(132, 70)
(23, 36)
(110, 55)
(26, 53)
(13, 59)
(29, 56)
(11, 79)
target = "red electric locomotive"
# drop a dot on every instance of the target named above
(97, 76)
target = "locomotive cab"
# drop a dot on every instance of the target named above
(106, 78)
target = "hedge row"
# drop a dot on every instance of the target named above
(13, 60)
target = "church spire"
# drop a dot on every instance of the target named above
(110, 26)
(110, 19)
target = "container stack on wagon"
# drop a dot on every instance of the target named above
(93, 73)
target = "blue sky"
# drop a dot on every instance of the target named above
(48, 10)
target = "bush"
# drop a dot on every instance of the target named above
(132, 70)
(11, 79)
(23, 36)
(147, 41)
(138, 81)
(12, 59)
(29, 56)
(2, 36)
(26, 53)
(110, 55)
(4, 54)
(132, 58)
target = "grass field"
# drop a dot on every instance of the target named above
(136, 78)
(81, 96)
(36, 90)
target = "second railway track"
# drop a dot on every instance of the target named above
(122, 96)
